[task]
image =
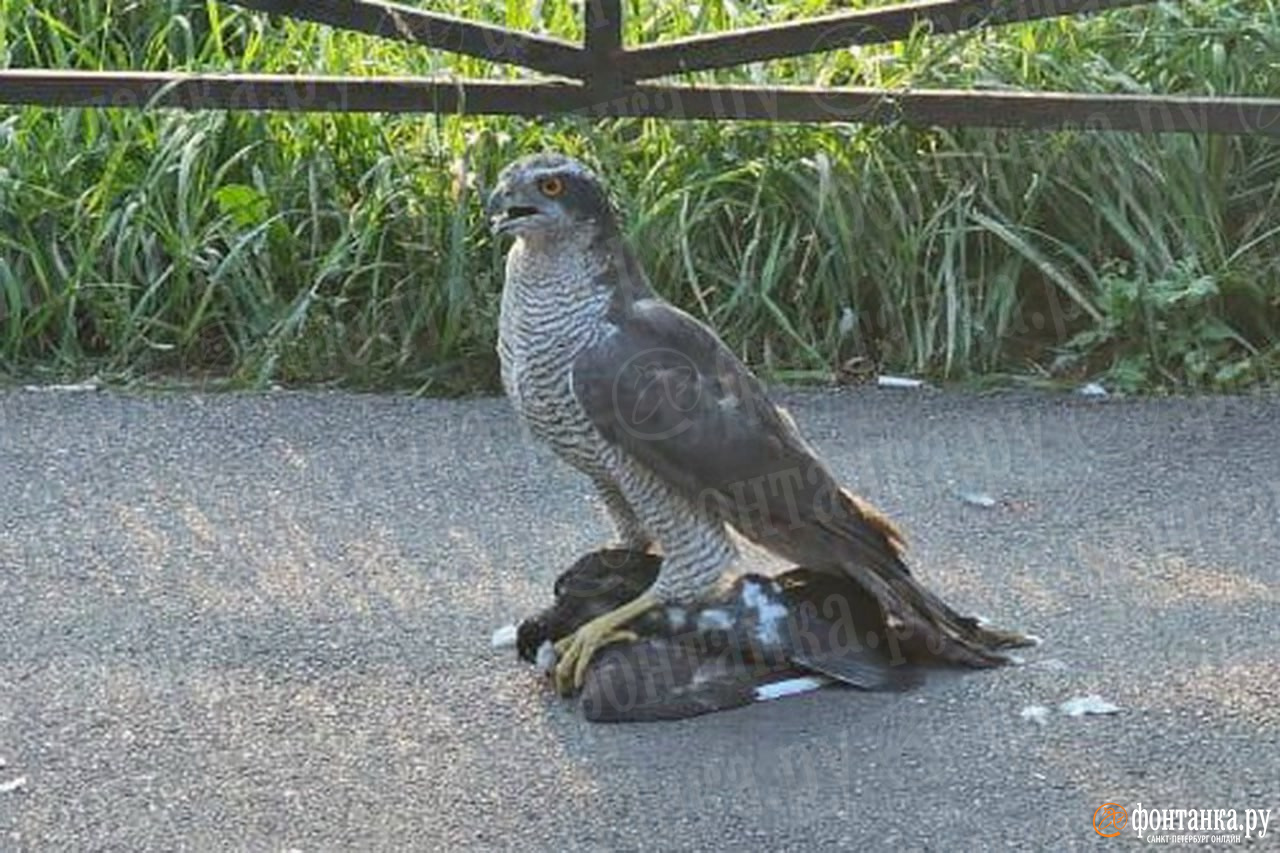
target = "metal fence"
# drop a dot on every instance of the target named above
(603, 77)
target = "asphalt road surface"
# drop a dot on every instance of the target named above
(263, 622)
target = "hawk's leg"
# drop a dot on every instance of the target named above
(696, 549)
(577, 649)
(631, 531)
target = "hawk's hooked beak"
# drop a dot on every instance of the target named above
(505, 211)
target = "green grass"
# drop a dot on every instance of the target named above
(351, 249)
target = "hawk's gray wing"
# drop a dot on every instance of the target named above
(674, 398)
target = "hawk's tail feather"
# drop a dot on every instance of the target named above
(919, 624)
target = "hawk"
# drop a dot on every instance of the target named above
(679, 438)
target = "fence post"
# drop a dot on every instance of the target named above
(603, 44)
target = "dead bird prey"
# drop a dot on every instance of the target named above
(679, 438)
(756, 639)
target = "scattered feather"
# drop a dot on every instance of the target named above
(899, 382)
(979, 499)
(790, 687)
(68, 388)
(1091, 389)
(13, 785)
(504, 637)
(1038, 714)
(1087, 705)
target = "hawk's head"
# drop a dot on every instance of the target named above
(547, 193)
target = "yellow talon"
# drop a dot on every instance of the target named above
(576, 650)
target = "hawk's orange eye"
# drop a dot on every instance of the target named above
(551, 187)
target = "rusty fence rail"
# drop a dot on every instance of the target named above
(603, 77)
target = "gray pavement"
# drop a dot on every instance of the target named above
(262, 622)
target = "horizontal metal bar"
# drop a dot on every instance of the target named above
(829, 32)
(284, 92)
(445, 32)
(1030, 110)
(951, 108)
